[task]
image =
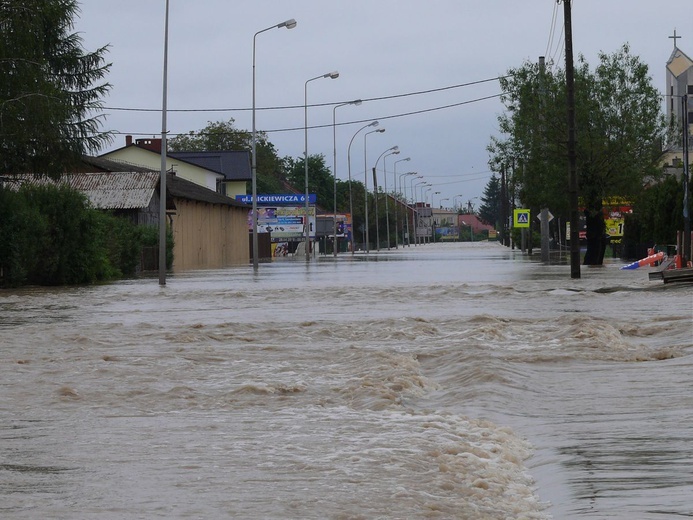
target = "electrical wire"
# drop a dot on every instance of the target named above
(552, 31)
(290, 107)
(384, 118)
(347, 123)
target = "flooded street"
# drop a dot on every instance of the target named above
(444, 381)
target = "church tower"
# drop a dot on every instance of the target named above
(679, 82)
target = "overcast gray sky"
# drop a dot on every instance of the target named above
(381, 48)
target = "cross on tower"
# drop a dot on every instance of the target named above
(675, 38)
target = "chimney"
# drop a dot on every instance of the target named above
(128, 140)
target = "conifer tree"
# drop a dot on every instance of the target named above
(50, 88)
(490, 202)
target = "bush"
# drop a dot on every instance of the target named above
(52, 236)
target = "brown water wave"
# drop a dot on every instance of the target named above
(418, 392)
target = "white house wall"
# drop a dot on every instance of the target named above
(148, 159)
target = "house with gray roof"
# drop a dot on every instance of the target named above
(226, 172)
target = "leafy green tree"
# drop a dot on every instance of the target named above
(619, 126)
(223, 135)
(657, 213)
(320, 179)
(50, 88)
(216, 136)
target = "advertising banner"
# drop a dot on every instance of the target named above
(285, 223)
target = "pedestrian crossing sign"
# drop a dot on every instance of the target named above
(521, 218)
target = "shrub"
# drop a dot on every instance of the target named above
(52, 236)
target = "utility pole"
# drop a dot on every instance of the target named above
(686, 256)
(162, 176)
(572, 159)
(504, 209)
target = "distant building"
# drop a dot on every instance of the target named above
(679, 81)
(473, 222)
(226, 172)
(679, 77)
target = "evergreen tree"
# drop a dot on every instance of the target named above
(489, 211)
(50, 88)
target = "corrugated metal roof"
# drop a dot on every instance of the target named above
(117, 190)
(106, 190)
(126, 190)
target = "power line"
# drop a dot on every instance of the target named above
(291, 107)
(479, 178)
(552, 31)
(360, 121)
(384, 118)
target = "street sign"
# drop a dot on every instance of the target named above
(521, 218)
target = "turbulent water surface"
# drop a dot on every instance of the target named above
(444, 381)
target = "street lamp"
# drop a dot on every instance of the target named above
(334, 166)
(423, 192)
(416, 214)
(162, 175)
(289, 24)
(393, 150)
(387, 209)
(365, 172)
(441, 202)
(351, 201)
(394, 190)
(405, 202)
(424, 196)
(433, 219)
(331, 75)
(413, 210)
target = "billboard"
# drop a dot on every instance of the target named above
(285, 223)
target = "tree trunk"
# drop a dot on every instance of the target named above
(596, 236)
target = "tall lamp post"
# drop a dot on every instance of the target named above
(365, 172)
(454, 202)
(406, 202)
(387, 209)
(441, 202)
(351, 200)
(306, 224)
(394, 192)
(424, 195)
(289, 24)
(162, 177)
(334, 166)
(393, 150)
(413, 206)
(416, 210)
(424, 198)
